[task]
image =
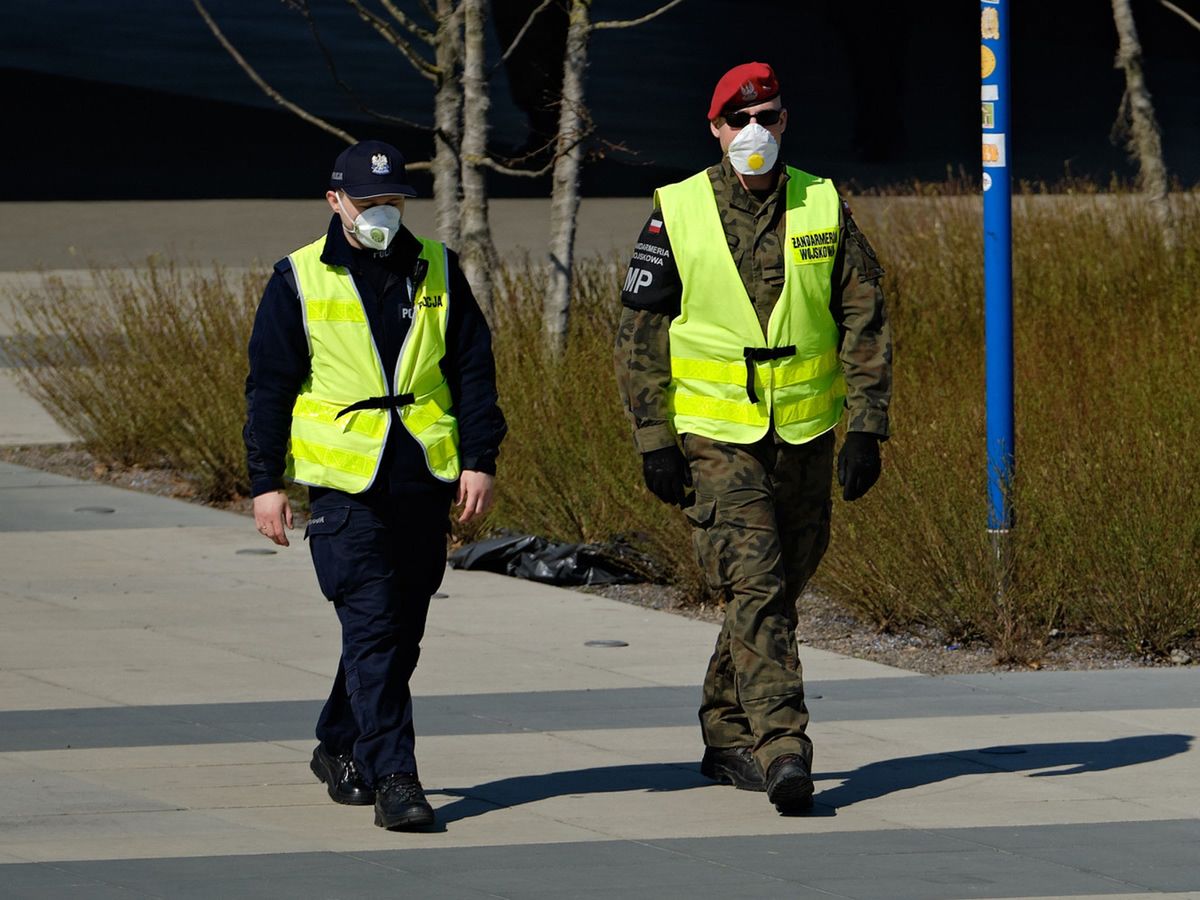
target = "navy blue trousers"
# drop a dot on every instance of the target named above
(379, 563)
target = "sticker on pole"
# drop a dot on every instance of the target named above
(989, 24)
(988, 60)
(987, 181)
(993, 151)
(989, 115)
(989, 92)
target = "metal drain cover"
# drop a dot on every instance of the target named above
(605, 644)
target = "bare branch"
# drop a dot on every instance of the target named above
(531, 154)
(506, 166)
(607, 147)
(489, 163)
(630, 23)
(418, 166)
(496, 166)
(428, 7)
(413, 28)
(422, 65)
(521, 34)
(1175, 9)
(302, 7)
(262, 84)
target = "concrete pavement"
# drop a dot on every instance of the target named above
(160, 675)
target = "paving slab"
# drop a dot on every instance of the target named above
(868, 865)
(25, 421)
(65, 505)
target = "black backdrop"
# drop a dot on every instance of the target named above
(136, 100)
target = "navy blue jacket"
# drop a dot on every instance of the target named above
(386, 281)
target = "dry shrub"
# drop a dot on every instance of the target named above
(1107, 528)
(146, 366)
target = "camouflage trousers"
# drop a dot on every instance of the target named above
(760, 525)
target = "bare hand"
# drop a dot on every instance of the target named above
(474, 495)
(272, 513)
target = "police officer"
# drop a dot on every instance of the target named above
(752, 316)
(372, 382)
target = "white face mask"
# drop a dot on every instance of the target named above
(375, 227)
(754, 151)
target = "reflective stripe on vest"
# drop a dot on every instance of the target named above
(342, 416)
(729, 381)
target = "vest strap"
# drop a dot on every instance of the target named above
(393, 402)
(762, 354)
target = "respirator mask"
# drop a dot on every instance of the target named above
(754, 151)
(374, 228)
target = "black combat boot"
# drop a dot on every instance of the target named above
(342, 777)
(789, 784)
(400, 803)
(732, 765)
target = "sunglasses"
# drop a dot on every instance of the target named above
(741, 118)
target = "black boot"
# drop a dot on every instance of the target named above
(342, 777)
(400, 803)
(732, 765)
(789, 784)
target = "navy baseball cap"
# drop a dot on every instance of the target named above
(370, 169)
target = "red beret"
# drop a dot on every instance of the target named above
(743, 85)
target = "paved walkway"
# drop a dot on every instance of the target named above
(160, 675)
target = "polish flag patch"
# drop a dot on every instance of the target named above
(655, 226)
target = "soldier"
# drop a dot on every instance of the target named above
(372, 381)
(753, 315)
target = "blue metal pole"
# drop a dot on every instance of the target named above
(997, 262)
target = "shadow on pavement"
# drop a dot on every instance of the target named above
(508, 792)
(888, 776)
(867, 783)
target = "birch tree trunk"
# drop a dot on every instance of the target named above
(1144, 142)
(564, 197)
(447, 120)
(477, 251)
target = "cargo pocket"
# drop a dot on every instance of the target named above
(702, 515)
(327, 555)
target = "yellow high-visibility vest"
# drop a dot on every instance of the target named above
(729, 381)
(342, 415)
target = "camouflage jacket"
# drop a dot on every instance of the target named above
(754, 229)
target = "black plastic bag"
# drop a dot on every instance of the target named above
(537, 559)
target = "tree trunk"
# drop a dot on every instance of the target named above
(564, 197)
(1144, 142)
(478, 251)
(447, 119)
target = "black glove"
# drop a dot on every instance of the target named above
(858, 464)
(667, 474)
